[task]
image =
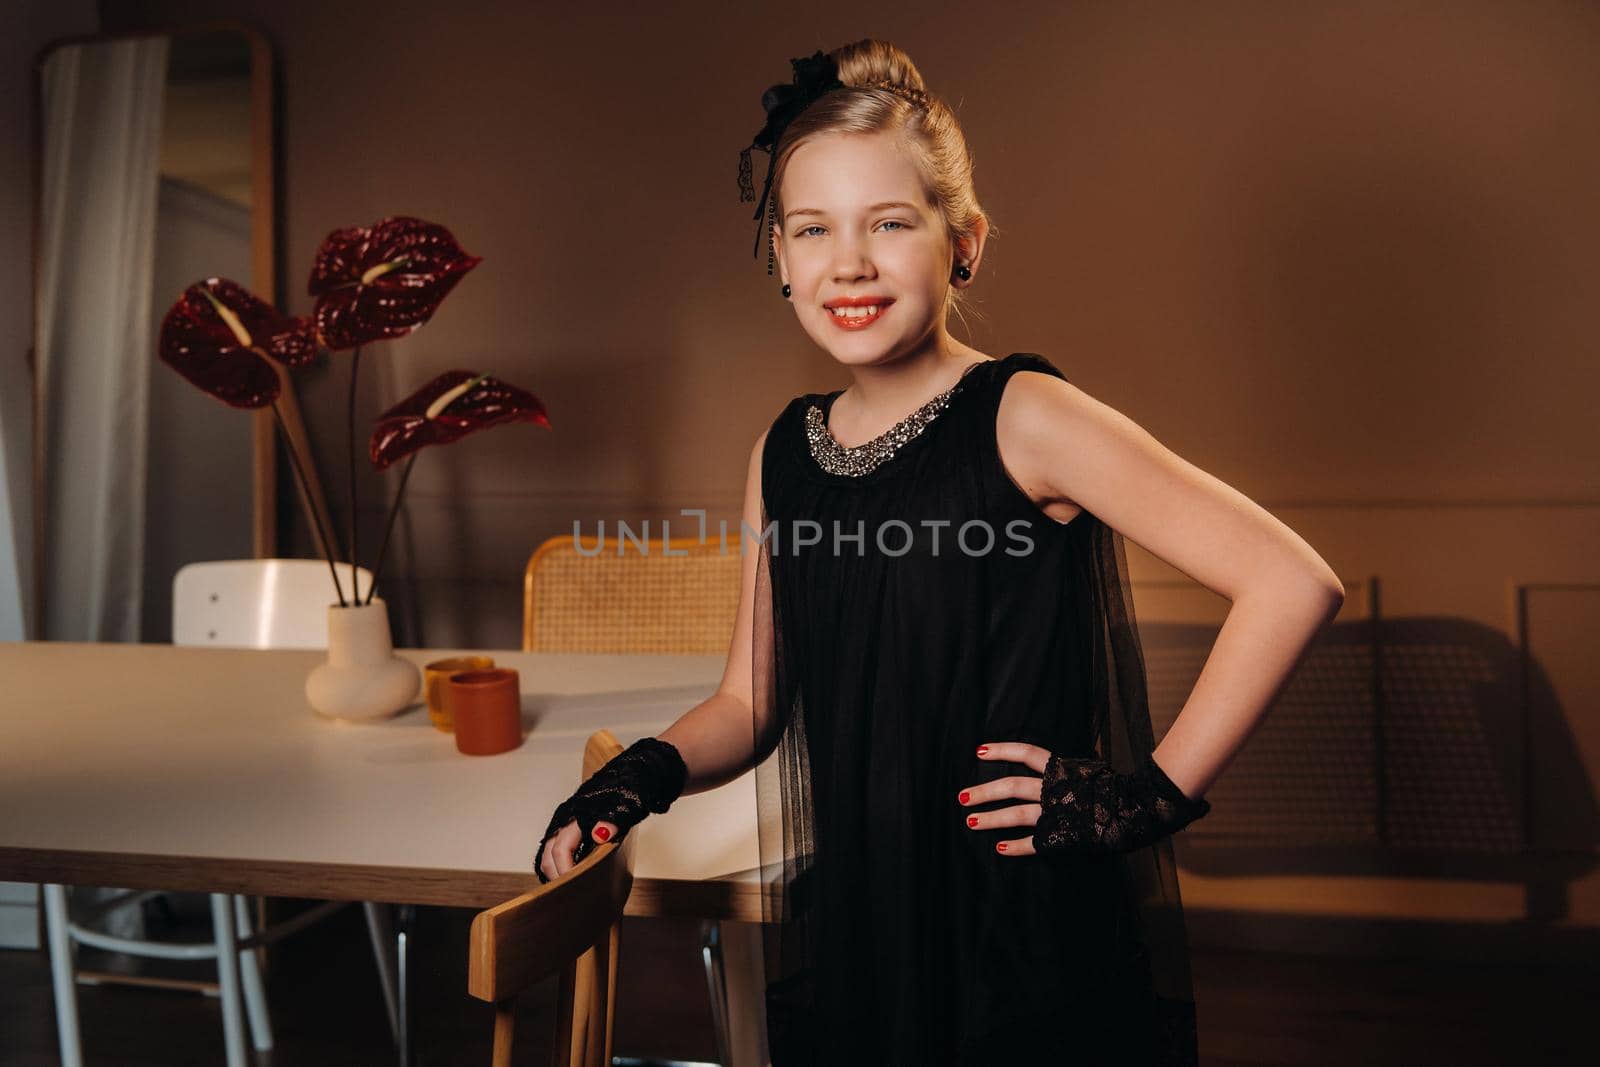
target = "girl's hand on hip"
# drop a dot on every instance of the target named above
(1081, 806)
(1023, 787)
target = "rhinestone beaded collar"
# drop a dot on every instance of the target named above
(866, 457)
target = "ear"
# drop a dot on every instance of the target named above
(969, 250)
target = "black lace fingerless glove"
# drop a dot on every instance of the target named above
(1090, 808)
(646, 777)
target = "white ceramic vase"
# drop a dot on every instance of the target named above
(363, 680)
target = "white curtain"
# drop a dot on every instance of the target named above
(103, 104)
(102, 152)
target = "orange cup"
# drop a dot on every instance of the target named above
(433, 678)
(487, 709)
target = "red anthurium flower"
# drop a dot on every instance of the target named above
(383, 281)
(219, 335)
(451, 406)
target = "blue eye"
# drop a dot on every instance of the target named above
(888, 222)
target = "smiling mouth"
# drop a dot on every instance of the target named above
(855, 318)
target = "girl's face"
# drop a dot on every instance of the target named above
(857, 224)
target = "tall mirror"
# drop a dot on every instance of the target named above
(156, 170)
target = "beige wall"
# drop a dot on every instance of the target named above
(1340, 255)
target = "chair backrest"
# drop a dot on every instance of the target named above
(593, 595)
(257, 603)
(569, 925)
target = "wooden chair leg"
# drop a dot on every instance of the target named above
(595, 1030)
(608, 1006)
(505, 1024)
(583, 1010)
(566, 995)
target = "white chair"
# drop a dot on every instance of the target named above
(257, 603)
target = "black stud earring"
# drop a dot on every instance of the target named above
(785, 291)
(964, 272)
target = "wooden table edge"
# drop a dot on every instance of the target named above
(682, 898)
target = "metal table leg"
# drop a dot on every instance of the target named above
(405, 920)
(228, 978)
(380, 928)
(66, 990)
(716, 986)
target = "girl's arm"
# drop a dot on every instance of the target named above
(715, 739)
(1062, 445)
(717, 736)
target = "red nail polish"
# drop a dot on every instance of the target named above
(964, 797)
(602, 833)
(1001, 846)
(972, 820)
(983, 750)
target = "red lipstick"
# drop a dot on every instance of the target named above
(857, 322)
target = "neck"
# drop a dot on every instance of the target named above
(894, 385)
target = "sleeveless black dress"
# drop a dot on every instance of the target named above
(913, 603)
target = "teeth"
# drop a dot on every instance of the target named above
(857, 312)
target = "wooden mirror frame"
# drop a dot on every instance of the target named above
(266, 214)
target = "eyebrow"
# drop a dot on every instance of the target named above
(871, 207)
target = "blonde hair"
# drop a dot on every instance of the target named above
(884, 92)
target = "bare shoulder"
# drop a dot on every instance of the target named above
(1034, 408)
(1063, 445)
(1033, 398)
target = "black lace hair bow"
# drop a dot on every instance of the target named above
(813, 75)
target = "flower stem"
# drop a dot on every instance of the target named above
(350, 441)
(311, 504)
(388, 527)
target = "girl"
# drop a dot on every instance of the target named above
(935, 666)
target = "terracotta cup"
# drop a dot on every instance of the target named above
(433, 678)
(487, 709)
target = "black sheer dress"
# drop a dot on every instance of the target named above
(911, 604)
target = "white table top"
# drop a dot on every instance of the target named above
(191, 768)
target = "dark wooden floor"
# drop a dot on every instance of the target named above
(1255, 1008)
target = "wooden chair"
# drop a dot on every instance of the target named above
(667, 596)
(587, 596)
(568, 926)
